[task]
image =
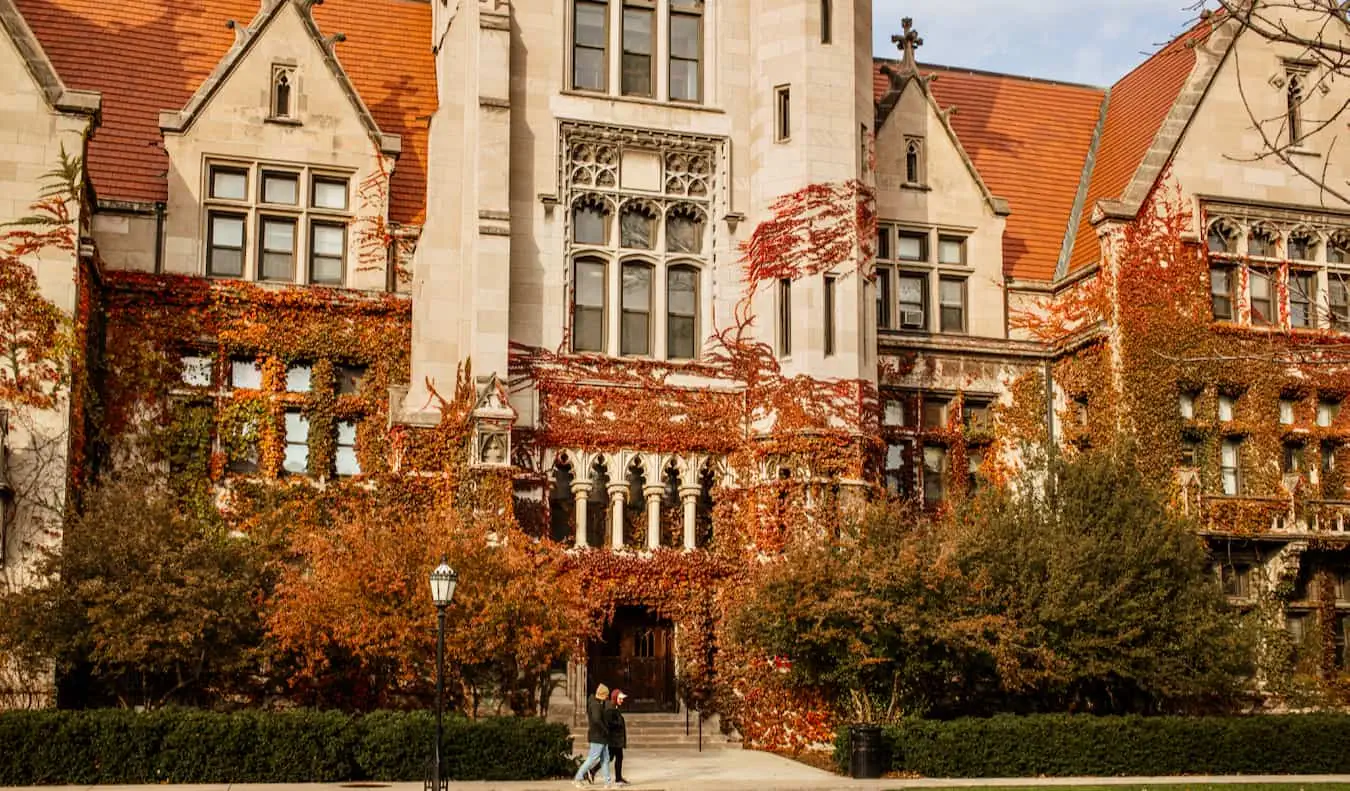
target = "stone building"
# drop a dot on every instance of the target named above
(686, 246)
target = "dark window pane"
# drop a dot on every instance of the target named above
(589, 331)
(683, 235)
(588, 225)
(680, 337)
(635, 229)
(588, 69)
(637, 75)
(634, 333)
(637, 51)
(884, 298)
(229, 263)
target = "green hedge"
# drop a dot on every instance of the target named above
(189, 746)
(1083, 745)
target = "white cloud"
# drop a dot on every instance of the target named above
(1090, 41)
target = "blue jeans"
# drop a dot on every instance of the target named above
(599, 753)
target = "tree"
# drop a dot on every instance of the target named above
(1097, 572)
(885, 614)
(355, 612)
(160, 604)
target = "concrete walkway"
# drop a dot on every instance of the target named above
(728, 770)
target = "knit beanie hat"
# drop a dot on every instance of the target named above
(601, 692)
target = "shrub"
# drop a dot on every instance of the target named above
(1083, 745)
(191, 746)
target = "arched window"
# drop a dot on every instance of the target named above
(1222, 238)
(588, 305)
(281, 91)
(1302, 245)
(636, 317)
(682, 313)
(1294, 108)
(637, 224)
(913, 161)
(590, 223)
(1261, 242)
(684, 233)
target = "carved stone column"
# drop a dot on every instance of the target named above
(581, 490)
(618, 494)
(689, 498)
(653, 495)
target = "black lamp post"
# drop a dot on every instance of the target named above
(443, 581)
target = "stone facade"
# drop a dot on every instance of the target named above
(593, 173)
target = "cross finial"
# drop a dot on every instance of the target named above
(908, 42)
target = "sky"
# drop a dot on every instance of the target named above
(1087, 41)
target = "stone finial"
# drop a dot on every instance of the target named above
(908, 42)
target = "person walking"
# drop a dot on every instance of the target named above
(597, 734)
(618, 734)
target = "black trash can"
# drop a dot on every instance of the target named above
(868, 752)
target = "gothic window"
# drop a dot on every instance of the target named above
(1222, 238)
(914, 173)
(590, 30)
(682, 309)
(1302, 246)
(639, 254)
(1261, 242)
(590, 224)
(283, 79)
(1294, 106)
(684, 233)
(588, 309)
(636, 310)
(686, 50)
(637, 225)
(639, 40)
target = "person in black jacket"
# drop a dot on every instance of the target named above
(597, 734)
(618, 735)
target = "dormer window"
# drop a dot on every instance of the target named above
(913, 160)
(283, 81)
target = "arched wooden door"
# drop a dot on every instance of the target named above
(636, 653)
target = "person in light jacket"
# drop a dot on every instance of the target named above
(597, 734)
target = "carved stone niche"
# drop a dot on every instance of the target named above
(492, 420)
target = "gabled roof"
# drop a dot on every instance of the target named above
(144, 56)
(1029, 140)
(58, 96)
(1141, 102)
(181, 120)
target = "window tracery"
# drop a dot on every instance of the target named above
(640, 208)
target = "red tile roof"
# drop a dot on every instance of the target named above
(1140, 102)
(1028, 140)
(145, 56)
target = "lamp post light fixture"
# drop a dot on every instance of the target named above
(443, 581)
